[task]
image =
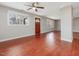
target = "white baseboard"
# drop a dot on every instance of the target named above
(13, 38)
(67, 40)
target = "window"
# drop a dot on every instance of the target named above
(15, 18)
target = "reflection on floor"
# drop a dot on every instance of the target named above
(48, 44)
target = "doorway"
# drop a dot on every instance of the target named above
(37, 26)
(57, 25)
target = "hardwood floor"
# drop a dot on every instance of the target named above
(44, 45)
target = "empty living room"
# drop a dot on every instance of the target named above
(39, 28)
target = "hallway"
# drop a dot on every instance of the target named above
(48, 44)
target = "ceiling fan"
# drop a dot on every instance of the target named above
(35, 6)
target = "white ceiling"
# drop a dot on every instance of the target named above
(51, 8)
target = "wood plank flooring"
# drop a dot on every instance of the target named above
(48, 44)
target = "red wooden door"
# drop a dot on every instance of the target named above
(37, 26)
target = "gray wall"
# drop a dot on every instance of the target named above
(76, 24)
(11, 32)
(46, 26)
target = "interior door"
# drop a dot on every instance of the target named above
(37, 26)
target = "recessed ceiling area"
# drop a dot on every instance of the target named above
(52, 9)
